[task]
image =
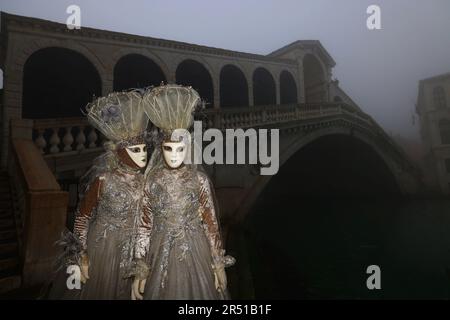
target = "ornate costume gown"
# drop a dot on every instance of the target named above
(105, 225)
(180, 229)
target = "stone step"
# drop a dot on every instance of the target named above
(8, 235)
(5, 213)
(8, 248)
(5, 188)
(5, 207)
(5, 192)
(4, 184)
(5, 203)
(6, 223)
(9, 264)
(9, 283)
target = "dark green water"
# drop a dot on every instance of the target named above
(321, 248)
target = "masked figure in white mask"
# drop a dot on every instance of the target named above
(106, 219)
(179, 251)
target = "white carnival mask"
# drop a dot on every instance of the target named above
(138, 153)
(174, 153)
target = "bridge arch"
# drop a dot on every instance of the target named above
(264, 88)
(193, 73)
(26, 50)
(233, 87)
(136, 71)
(70, 82)
(288, 88)
(314, 79)
(289, 151)
(149, 54)
(283, 220)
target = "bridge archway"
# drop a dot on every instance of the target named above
(233, 87)
(264, 92)
(70, 82)
(288, 88)
(315, 81)
(326, 203)
(193, 73)
(136, 71)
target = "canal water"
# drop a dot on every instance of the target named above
(320, 248)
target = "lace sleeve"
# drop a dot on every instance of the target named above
(145, 227)
(85, 211)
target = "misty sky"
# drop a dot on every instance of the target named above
(379, 69)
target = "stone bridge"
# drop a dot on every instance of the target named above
(51, 72)
(69, 145)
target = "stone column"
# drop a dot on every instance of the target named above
(328, 84)
(171, 77)
(216, 89)
(277, 90)
(250, 94)
(11, 106)
(300, 81)
(107, 87)
(22, 129)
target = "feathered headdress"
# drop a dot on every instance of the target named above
(171, 106)
(119, 116)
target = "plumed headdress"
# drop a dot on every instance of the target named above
(171, 106)
(119, 116)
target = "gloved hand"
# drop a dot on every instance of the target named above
(137, 289)
(139, 273)
(84, 267)
(220, 277)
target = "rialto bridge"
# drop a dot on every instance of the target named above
(51, 72)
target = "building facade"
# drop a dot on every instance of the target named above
(433, 108)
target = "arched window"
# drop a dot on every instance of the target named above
(444, 130)
(439, 97)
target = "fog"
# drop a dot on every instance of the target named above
(379, 69)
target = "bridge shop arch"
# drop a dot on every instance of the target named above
(264, 90)
(288, 88)
(233, 87)
(193, 73)
(57, 83)
(136, 71)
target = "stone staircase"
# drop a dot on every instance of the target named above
(9, 246)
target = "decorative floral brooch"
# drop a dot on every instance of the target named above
(111, 114)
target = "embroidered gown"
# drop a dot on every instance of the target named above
(179, 236)
(106, 224)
